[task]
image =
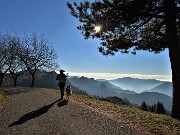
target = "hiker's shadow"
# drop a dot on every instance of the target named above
(33, 114)
(63, 102)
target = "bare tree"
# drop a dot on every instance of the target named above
(37, 53)
(4, 67)
(16, 66)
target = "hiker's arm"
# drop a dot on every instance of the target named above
(57, 78)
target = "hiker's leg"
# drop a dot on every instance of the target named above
(62, 89)
(62, 94)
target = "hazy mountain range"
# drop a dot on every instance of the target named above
(97, 88)
(165, 88)
(135, 84)
(104, 88)
(135, 90)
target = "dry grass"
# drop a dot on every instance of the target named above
(3, 96)
(147, 122)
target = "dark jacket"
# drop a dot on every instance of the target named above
(61, 78)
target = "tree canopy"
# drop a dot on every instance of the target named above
(126, 25)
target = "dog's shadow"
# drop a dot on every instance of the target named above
(63, 102)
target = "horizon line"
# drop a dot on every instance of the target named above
(111, 76)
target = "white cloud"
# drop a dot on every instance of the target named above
(110, 76)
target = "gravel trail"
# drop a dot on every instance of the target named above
(36, 112)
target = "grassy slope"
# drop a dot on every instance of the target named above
(146, 122)
(3, 96)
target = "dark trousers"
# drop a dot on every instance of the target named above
(61, 86)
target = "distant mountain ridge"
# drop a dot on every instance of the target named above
(117, 89)
(165, 88)
(135, 84)
(97, 88)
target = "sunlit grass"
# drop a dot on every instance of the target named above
(150, 122)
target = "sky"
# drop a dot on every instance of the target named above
(77, 56)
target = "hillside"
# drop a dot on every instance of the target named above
(165, 88)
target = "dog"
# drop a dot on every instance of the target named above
(68, 91)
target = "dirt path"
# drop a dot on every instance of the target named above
(36, 112)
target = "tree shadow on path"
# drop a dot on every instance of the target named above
(33, 114)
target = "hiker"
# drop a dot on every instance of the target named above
(62, 81)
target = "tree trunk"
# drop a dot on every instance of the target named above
(33, 79)
(174, 53)
(15, 80)
(1, 80)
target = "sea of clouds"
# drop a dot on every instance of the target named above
(111, 76)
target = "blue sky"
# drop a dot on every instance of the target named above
(76, 55)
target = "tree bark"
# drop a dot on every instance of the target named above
(33, 79)
(1, 80)
(174, 53)
(15, 80)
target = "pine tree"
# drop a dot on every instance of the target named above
(131, 25)
(144, 106)
(152, 108)
(160, 108)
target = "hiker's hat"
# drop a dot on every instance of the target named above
(61, 71)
